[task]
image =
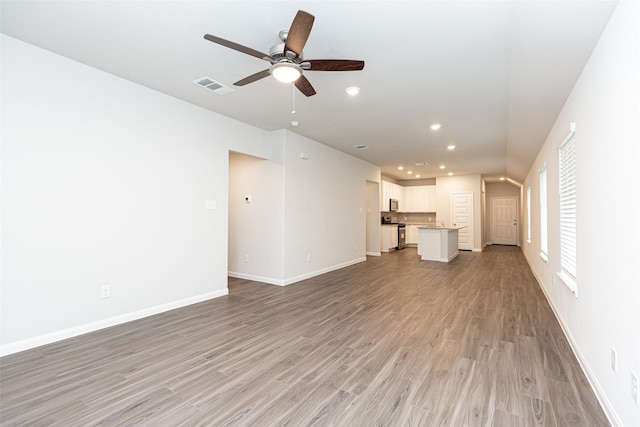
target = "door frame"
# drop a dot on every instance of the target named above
(492, 216)
(471, 226)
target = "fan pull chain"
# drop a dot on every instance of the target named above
(293, 99)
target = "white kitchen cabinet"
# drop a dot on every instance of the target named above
(408, 205)
(421, 198)
(438, 243)
(430, 198)
(391, 191)
(388, 237)
(414, 199)
(412, 235)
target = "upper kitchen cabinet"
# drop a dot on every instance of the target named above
(391, 191)
(431, 200)
(420, 198)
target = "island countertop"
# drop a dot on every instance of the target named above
(434, 227)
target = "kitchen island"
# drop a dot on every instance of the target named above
(438, 243)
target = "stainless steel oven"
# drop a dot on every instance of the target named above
(401, 236)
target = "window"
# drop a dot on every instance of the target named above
(567, 176)
(543, 213)
(528, 213)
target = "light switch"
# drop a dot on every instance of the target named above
(210, 204)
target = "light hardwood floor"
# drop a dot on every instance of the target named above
(393, 341)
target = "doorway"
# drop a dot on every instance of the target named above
(504, 221)
(462, 216)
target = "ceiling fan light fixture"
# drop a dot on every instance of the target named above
(285, 72)
(353, 90)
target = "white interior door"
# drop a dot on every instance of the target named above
(504, 224)
(462, 216)
(504, 220)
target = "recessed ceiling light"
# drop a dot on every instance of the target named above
(295, 123)
(353, 90)
(442, 167)
(436, 126)
(450, 173)
(400, 168)
(410, 172)
(451, 147)
(417, 176)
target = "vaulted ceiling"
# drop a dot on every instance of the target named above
(494, 74)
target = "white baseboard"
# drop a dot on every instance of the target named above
(373, 253)
(608, 408)
(75, 331)
(324, 270)
(289, 281)
(253, 277)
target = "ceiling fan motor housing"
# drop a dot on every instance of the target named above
(277, 52)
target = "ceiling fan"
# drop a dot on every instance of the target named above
(287, 62)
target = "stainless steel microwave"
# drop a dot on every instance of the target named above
(393, 205)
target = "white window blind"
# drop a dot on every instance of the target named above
(529, 213)
(543, 213)
(567, 152)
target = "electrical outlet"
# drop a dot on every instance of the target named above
(614, 360)
(635, 391)
(105, 291)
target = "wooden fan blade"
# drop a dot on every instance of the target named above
(236, 46)
(333, 65)
(299, 32)
(253, 77)
(304, 86)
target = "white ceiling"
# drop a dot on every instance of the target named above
(494, 73)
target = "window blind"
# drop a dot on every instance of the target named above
(567, 152)
(529, 213)
(543, 212)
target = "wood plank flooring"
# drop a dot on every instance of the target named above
(393, 341)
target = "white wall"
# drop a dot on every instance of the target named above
(373, 218)
(256, 229)
(307, 216)
(104, 183)
(605, 105)
(447, 185)
(324, 209)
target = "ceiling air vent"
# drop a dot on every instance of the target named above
(213, 86)
(360, 147)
